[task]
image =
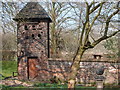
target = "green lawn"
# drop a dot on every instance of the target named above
(8, 67)
(48, 86)
(43, 86)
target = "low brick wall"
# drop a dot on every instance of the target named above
(87, 71)
(60, 69)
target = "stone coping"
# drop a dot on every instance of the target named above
(84, 60)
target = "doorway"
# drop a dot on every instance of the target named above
(32, 69)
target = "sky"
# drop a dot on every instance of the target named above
(43, 6)
(58, 0)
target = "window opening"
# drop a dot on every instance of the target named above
(39, 36)
(25, 27)
(33, 36)
(33, 27)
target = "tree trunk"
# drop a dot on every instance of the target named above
(73, 73)
(119, 58)
(53, 31)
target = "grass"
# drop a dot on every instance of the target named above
(8, 67)
(59, 86)
(48, 85)
(40, 86)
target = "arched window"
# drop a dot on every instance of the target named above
(33, 27)
(33, 36)
(25, 27)
(40, 28)
(39, 36)
(41, 32)
(42, 52)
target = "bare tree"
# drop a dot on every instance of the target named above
(59, 15)
(84, 42)
(9, 29)
(9, 10)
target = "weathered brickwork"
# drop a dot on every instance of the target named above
(32, 42)
(87, 71)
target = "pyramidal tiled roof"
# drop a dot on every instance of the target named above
(32, 10)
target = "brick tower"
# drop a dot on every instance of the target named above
(33, 41)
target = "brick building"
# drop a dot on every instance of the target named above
(33, 48)
(33, 41)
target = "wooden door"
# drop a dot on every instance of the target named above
(32, 69)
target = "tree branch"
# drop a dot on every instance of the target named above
(89, 28)
(93, 9)
(113, 34)
(108, 21)
(103, 38)
(84, 24)
(91, 3)
(106, 30)
(96, 15)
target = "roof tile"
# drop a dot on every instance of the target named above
(32, 10)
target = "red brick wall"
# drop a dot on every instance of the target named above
(31, 43)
